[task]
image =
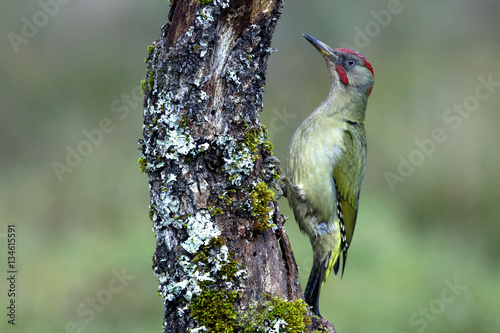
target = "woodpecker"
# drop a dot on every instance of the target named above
(326, 164)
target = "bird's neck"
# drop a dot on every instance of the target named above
(344, 104)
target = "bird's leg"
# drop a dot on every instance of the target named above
(282, 182)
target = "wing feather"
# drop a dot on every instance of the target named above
(348, 174)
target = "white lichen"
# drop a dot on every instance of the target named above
(201, 230)
(238, 160)
(203, 95)
(234, 76)
(220, 259)
(276, 326)
(204, 15)
(203, 49)
(186, 287)
(177, 142)
(222, 3)
(199, 329)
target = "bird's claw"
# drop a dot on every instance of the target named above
(278, 183)
(272, 160)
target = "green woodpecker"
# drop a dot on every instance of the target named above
(326, 164)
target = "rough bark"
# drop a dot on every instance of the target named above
(222, 257)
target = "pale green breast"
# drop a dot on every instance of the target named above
(314, 150)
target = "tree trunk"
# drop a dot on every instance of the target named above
(222, 257)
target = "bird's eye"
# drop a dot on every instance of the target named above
(351, 62)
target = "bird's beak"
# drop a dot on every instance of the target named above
(325, 50)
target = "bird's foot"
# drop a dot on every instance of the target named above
(278, 178)
(280, 181)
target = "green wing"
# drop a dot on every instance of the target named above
(348, 174)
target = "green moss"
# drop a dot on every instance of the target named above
(214, 309)
(150, 78)
(294, 313)
(196, 48)
(152, 212)
(142, 164)
(260, 197)
(150, 49)
(215, 211)
(256, 137)
(217, 242)
(204, 2)
(229, 268)
(225, 197)
(252, 139)
(143, 86)
(228, 271)
(253, 320)
(268, 146)
(184, 120)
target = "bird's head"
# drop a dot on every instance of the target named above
(348, 68)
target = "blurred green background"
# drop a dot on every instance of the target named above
(425, 254)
